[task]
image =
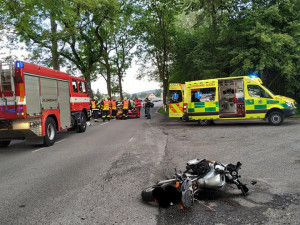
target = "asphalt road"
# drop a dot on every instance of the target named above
(96, 177)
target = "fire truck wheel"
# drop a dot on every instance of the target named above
(4, 144)
(50, 132)
(82, 127)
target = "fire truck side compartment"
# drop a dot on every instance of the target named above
(32, 90)
(49, 93)
(64, 104)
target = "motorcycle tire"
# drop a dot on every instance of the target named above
(147, 195)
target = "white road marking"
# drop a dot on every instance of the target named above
(61, 140)
(37, 150)
(40, 149)
(131, 139)
(104, 123)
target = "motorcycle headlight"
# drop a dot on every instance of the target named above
(290, 104)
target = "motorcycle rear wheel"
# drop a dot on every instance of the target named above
(147, 195)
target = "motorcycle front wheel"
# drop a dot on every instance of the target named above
(147, 195)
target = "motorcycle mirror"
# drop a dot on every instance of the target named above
(238, 165)
(175, 170)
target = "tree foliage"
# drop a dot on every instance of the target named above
(176, 40)
(239, 37)
(157, 29)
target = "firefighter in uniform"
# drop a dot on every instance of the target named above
(113, 108)
(95, 108)
(105, 105)
(126, 105)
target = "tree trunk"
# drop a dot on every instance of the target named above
(120, 86)
(165, 91)
(108, 80)
(54, 46)
(89, 84)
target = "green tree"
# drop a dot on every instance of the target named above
(263, 38)
(157, 31)
(73, 33)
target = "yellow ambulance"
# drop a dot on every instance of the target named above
(176, 93)
(234, 98)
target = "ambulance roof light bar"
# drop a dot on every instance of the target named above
(256, 78)
(253, 76)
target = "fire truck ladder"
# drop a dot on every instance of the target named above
(7, 85)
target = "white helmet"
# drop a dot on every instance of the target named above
(95, 98)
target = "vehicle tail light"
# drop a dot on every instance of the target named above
(184, 108)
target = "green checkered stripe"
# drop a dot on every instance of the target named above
(258, 104)
(195, 107)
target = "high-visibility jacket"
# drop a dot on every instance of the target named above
(106, 105)
(125, 104)
(113, 105)
(93, 104)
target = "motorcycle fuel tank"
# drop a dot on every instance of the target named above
(212, 180)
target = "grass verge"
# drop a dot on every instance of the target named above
(296, 116)
(162, 111)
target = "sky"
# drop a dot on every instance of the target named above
(131, 85)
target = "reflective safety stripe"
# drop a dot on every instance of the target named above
(93, 104)
(125, 104)
(106, 105)
(113, 105)
(22, 92)
(176, 108)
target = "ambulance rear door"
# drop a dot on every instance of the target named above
(176, 100)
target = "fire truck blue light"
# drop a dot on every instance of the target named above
(19, 64)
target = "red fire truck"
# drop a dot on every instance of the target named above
(36, 102)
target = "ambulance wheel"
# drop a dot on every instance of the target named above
(275, 118)
(50, 132)
(4, 144)
(204, 122)
(82, 127)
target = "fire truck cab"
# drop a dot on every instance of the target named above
(36, 102)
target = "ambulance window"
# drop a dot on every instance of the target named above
(83, 87)
(175, 96)
(80, 86)
(203, 95)
(74, 84)
(257, 91)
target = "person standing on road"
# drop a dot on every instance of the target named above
(105, 105)
(95, 108)
(126, 105)
(147, 108)
(113, 108)
(138, 105)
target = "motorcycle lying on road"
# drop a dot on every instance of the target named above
(200, 175)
